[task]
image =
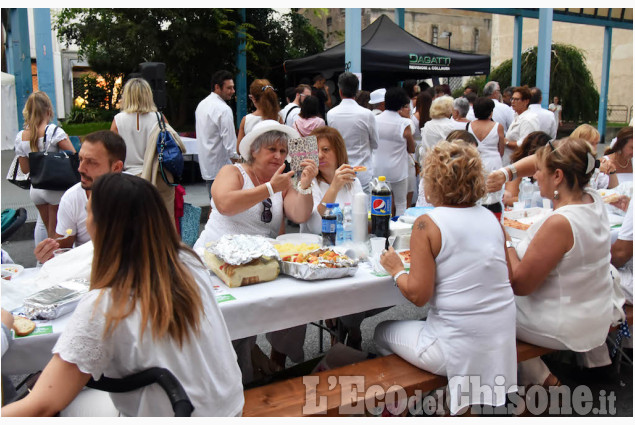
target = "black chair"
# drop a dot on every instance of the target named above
(176, 393)
(13, 227)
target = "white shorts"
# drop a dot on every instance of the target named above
(44, 196)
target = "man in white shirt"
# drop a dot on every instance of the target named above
(503, 114)
(102, 152)
(215, 128)
(545, 116)
(290, 113)
(357, 126)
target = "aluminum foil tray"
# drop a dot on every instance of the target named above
(306, 271)
(56, 301)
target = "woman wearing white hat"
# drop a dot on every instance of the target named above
(253, 198)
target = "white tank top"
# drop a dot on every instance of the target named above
(573, 305)
(488, 148)
(472, 312)
(250, 121)
(247, 222)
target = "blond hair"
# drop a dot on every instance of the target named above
(586, 132)
(137, 97)
(453, 174)
(38, 109)
(442, 107)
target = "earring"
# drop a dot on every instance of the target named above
(556, 195)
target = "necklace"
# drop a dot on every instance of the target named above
(256, 176)
(618, 162)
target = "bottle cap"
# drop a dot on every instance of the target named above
(330, 205)
(382, 178)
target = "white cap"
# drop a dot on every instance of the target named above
(377, 96)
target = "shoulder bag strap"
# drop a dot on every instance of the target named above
(288, 112)
(467, 126)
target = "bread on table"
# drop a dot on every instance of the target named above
(262, 269)
(23, 326)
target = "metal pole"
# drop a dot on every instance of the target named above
(518, 50)
(400, 16)
(241, 77)
(604, 83)
(353, 40)
(44, 54)
(19, 58)
(543, 67)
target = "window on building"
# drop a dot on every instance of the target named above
(329, 22)
(476, 40)
(435, 35)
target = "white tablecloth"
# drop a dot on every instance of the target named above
(260, 308)
(191, 146)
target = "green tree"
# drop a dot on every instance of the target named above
(570, 80)
(193, 43)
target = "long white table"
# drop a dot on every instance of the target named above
(256, 309)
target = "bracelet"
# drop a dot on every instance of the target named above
(270, 188)
(505, 172)
(512, 168)
(306, 191)
(396, 276)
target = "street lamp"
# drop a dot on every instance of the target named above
(448, 35)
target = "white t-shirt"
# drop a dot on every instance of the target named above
(391, 156)
(289, 113)
(23, 147)
(205, 365)
(319, 188)
(72, 214)
(626, 271)
(546, 118)
(136, 137)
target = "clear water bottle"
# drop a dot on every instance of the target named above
(525, 192)
(536, 198)
(339, 223)
(347, 225)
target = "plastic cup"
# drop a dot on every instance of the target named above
(60, 251)
(377, 245)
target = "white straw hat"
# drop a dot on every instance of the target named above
(377, 96)
(261, 128)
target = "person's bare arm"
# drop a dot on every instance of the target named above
(552, 241)
(241, 133)
(501, 140)
(66, 145)
(621, 252)
(58, 385)
(418, 285)
(113, 127)
(525, 167)
(410, 141)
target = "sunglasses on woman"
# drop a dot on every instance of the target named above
(266, 215)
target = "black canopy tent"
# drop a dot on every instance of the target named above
(390, 53)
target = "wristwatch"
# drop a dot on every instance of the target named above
(396, 276)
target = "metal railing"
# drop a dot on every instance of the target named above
(619, 113)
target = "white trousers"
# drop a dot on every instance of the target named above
(401, 337)
(399, 192)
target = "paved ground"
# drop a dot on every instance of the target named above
(604, 382)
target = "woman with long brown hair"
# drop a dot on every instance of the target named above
(265, 100)
(150, 304)
(39, 136)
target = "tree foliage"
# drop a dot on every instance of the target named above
(193, 43)
(570, 80)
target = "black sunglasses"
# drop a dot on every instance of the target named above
(266, 215)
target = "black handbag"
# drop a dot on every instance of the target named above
(17, 177)
(53, 170)
(168, 153)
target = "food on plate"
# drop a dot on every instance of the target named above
(515, 224)
(324, 257)
(23, 326)
(10, 270)
(359, 168)
(262, 269)
(405, 256)
(291, 248)
(609, 199)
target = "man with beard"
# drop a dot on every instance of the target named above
(102, 152)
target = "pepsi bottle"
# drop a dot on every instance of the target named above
(329, 225)
(380, 208)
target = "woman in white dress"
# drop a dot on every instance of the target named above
(150, 304)
(461, 272)
(560, 271)
(440, 124)
(267, 105)
(390, 159)
(38, 136)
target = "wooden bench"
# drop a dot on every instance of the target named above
(287, 398)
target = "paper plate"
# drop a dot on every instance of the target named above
(298, 238)
(10, 270)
